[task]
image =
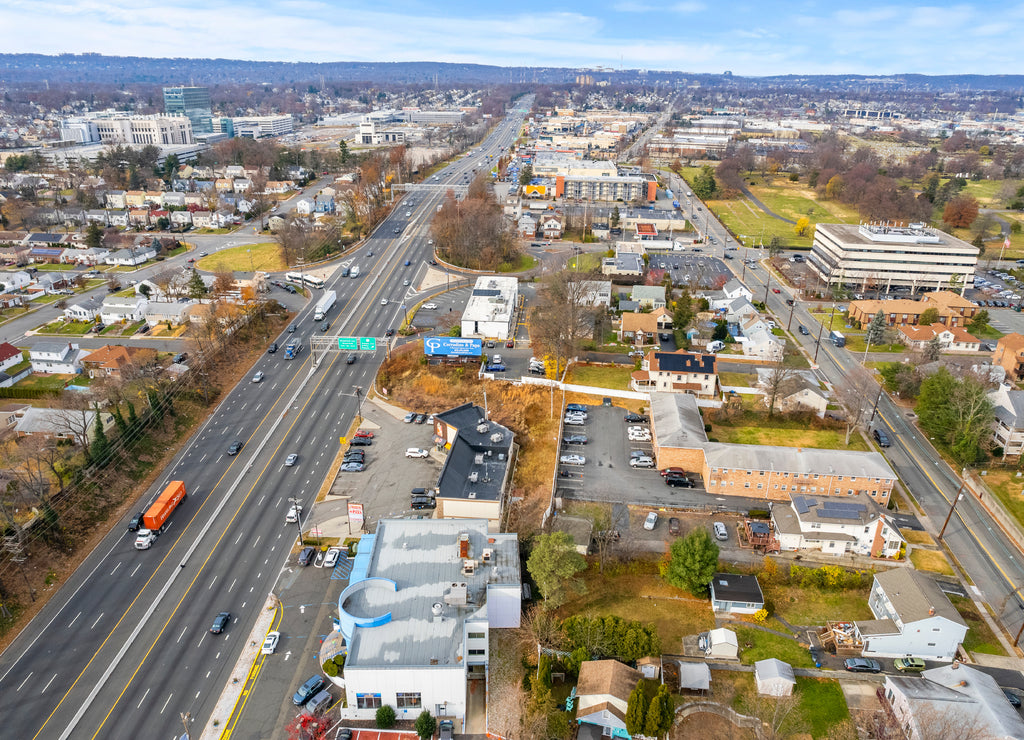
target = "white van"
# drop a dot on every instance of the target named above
(716, 346)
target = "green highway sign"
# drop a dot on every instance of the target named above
(367, 344)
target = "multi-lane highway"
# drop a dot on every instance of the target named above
(124, 648)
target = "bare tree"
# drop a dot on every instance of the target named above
(775, 382)
(778, 715)
(564, 318)
(74, 416)
(855, 392)
(259, 197)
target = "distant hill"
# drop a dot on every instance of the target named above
(30, 69)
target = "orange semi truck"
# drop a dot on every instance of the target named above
(155, 519)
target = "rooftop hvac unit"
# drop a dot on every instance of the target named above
(474, 476)
(497, 437)
(468, 567)
(479, 458)
(472, 494)
(482, 427)
(437, 608)
(501, 457)
(464, 545)
(487, 555)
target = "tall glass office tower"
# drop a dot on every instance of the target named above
(193, 102)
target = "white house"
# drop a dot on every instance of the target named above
(852, 524)
(304, 206)
(950, 338)
(914, 618)
(118, 218)
(12, 281)
(718, 299)
(1008, 427)
(204, 220)
(56, 357)
(602, 693)
(526, 226)
(89, 256)
(87, 311)
(758, 340)
(116, 309)
(115, 199)
(952, 701)
(160, 312)
(181, 218)
(736, 594)
(422, 598)
(131, 256)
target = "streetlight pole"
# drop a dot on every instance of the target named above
(956, 500)
(359, 402)
(298, 518)
(792, 308)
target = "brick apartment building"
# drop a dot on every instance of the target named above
(1009, 355)
(953, 310)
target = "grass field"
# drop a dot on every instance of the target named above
(600, 376)
(588, 261)
(979, 638)
(915, 537)
(1007, 487)
(823, 705)
(265, 256)
(806, 606)
(645, 598)
(526, 262)
(931, 560)
(797, 435)
(757, 645)
(742, 380)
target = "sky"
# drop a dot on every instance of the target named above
(756, 37)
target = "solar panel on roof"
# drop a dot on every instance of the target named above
(841, 510)
(801, 504)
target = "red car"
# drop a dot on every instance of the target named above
(364, 434)
(672, 471)
(510, 343)
(776, 290)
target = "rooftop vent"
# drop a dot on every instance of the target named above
(468, 567)
(437, 608)
(464, 545)
(482, 427)
(501, 457)
(497, 437)
(478, 458)
(474, 476)
(472, 494)
(487, 555)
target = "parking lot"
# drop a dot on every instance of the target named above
(691, 267)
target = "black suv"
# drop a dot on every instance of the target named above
(881, 437)
(135, 523)
(272, 348)
(235, 447)
(220, 622)
(360, 441)
(631, 418)
(678, 481)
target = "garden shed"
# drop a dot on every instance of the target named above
(694, 676)
(774, 677)
(723, 644)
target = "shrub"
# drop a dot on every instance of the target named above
(385, 717)
(760, 616)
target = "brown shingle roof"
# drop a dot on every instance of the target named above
(609, 677)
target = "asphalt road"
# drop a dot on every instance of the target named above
(124, 647)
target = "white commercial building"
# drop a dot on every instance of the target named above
(883, 257)
(121, 128)
(415, 619)
(260, 127)
(491, 309)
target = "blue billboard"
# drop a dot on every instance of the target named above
(464, 347)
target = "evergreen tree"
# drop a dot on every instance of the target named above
(196, 286)
(155, 404)
(704, 184)
(94, 235)
(426, 724)
(876, 329)
(100, 445)
(636, 711)
(692, 562)
(385, 717)
(655, 717)
(133, 419)
(119, 422)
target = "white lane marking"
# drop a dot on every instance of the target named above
(75, 619)
(25, 681)
(210, 587)
(139, 705)
(97, 621)
(183, 631)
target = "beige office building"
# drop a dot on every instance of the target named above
(876, 256)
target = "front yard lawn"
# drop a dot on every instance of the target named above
(808, 606)
(757, 645)
(740, 380)
(930, 560)
(70, 328)
(45, 382)
(1007, 488)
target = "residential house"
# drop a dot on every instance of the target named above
(796, 391)
(278, 186)
(952, 701)
(224, 218)
(72, 426)
(117, 309)
(913, 618)
(596, 293)
(718, 299)
(115, 200)
(643, 328)
(415, 619)
(181, 219)
(234, 170)
(758, 340)
(135, 199)
(131, 256)
(551, 228)
(241, 184)
(739, 310)
(835, 526)
(162, 312)
(602, 693)
(953, 310)
(526, 226)
(12, 281)
(10, 356)
(1008, 428)
(97, 216)
(681, 371)
(172, 200)
(732, 593)
(139, 217)
(950, 339)
(476, 473)
(56, 357)
(624, 264)
(204, 220)
(47, 255)
(223, 184)
(84, 311)
(91, 256)
(648, 296)
(305, 206)
(118, 218)
(1009, 355)
(115, 361)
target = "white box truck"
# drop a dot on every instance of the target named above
(324, 305)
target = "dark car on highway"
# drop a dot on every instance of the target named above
(272, 348)
(235, 447)
(136, 522)
(220, 622)
(881, 437)
(803, 330)
(350, 359)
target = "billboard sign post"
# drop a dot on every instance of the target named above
(461, 346)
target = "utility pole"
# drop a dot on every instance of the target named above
(792, 308)
(956, 500)
(359, 402)
(186, 720)
(298, 518)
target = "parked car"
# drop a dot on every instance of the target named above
(909, 664)
(220, 622)
(672, 471)
(678, 481)
(308, 690)
(409, 418)
(881, 437)
(495, 368)
(1012, 698)
(862, 665)
(631, 418)
(429, 306)
(416, 452)
(446, 730)
(574, 421)
(673, 526)
(641, 462)
(575, 439)
(420, 418)
(721, 532)
(573, 460)
(363, 433)
(331, 558)
(270, 643)
(352, 467)
(651, 521)
(306, 556)
(361, 441)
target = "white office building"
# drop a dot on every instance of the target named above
(491, 309)
(878, 256)
(261, 127)
(415, 619)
